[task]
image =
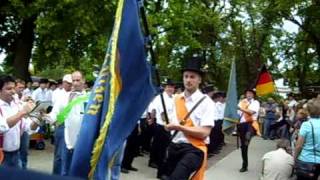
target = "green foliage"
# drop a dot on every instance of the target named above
(72, 34)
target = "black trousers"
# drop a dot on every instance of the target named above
(317, 174)
(161, 140)
(245, 132)
(132, 148)
(147, 132)
(183, 159)
(216, 137)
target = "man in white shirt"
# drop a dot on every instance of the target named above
(73, 119)
(161, 138)
(188, 152)
(292, 107)
(278, 164)
(27, 92)
(249, 112)
(216, 135)
(42, 93)
(12, 121)
(60, 93)
(24, 140)
(61, 100)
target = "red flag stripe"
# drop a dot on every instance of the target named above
(265, 77)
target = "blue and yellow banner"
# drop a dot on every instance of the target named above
(121, 93)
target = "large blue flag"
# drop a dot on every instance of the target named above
(231, 117)
(120, 95)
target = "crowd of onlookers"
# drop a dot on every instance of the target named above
(35, 108)
(297, 125)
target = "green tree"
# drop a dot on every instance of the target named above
(54, 33)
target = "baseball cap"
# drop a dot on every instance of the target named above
(67, 78)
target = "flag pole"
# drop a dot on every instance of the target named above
(153, 61)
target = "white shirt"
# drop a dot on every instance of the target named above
(73, 124)
(292, 103)
(220, 107)
(56, 94)
(150, 106)
(253, 106)
(42, 95)
(59, 104)
(11, 140)
(201, 116)
(278, 165)
(27, 92)
(157, 106)
(144, 114)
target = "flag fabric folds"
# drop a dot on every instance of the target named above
(265, 84)
(231, 117)
(121, 93)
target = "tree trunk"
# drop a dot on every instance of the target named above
(23, 49)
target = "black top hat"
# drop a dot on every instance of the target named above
(290, 95)
(193, 64)
(208, 89)
(250, 90)
(168, 82)
(59, 81)
(219, 94)
(43, 81)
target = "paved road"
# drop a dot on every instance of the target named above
(228, 167)
(224, 166)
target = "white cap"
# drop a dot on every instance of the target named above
(67, 78)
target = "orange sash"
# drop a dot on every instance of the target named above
(249, 118)
(182, 111)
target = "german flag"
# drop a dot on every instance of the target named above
(265, 84)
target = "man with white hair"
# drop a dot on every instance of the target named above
(71, 116)
(278, 164)
(61, 100)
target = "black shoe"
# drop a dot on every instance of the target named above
(140, 154)
(164, 177)
(210, 155)
(145, 152)
(216, 152)
(124, 170)
(243, 170)
(153, 165)
(132, 169)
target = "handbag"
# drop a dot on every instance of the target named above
(307, 169)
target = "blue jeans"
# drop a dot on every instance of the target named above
(267, 132)
(24, 147)
(116, 168)
(66, 161)
(284, 132)
(59, 146)
(11, 159)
